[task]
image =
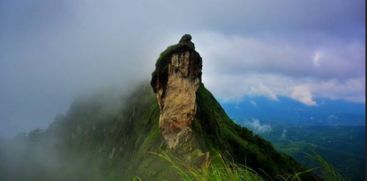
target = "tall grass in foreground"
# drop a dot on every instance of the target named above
(218, 169)
(326, 170)
(214, 170)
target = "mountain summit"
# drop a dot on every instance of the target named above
(191, 119)
(104, 137)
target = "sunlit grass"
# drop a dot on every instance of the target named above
(218, 169)
(213, 170)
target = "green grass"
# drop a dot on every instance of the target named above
(218, 169)
(327, 171)
(214, 170)
(217, 132)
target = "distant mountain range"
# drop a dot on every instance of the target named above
(285, 111)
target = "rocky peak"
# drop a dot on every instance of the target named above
(175, 81)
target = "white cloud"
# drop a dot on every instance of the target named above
(332, 117)
(353, 89)
(253, 103)
(316, 58)
(248, 47)
(284, 134)
(302, 93)
(238, 66)
(257, 127)
(237, 53)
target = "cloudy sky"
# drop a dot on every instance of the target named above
(54, 50)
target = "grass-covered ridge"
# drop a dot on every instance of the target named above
(107, 137)
(219, 133)
(219, 169)
(114, 140)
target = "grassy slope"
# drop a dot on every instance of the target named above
(114, 140)
(97, 141)
(220, 133)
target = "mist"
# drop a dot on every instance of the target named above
(53, 51)
(73, 147)
(69, 67)
(61, 50)
(258, 127)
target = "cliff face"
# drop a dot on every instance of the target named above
(175, 82)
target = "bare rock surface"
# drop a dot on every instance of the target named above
(175, 82)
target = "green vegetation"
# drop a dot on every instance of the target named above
(328, 172)
(218, 169)
(104, 137)
(108, 136)
(341, 146)
(219, 133)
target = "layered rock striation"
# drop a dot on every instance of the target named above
(175, 81)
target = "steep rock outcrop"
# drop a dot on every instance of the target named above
(175, 81)
(193, 124)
